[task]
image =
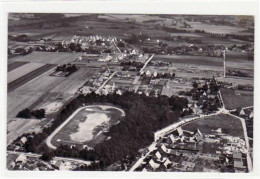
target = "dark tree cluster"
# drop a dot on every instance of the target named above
(137, 39)
(121, 44)
(26, 113)
(47, 156)
(132, 63)
(67, 68)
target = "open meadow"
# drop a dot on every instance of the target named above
(219, 29)
(234, 101)
(228, 124)
(192, 60)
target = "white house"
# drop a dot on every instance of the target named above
(153, 164)
(158, 155)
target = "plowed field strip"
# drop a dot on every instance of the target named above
(15, 65)
(29, 76)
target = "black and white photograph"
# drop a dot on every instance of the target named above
(130, 92)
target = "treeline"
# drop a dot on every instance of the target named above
(144, 116)
(175, 30)
(19, 38)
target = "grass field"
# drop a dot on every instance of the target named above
(249, 72)
(87, 126)
(185, 35)
(233, 101)
(17, 126)
(192, 60)
(232, 56)
(75, 80)
(42, 83)
(219, 29)
(240, 65)
(238, 61)
(237, 81)
(229, 125)
(48, 57)
(17, 101)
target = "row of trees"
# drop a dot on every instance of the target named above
(19, 38)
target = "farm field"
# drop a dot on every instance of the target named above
(75, 81)
(198, 74)
(137, 17)
(18, 101)
(86, 126)
(219, 29)
(233, 101)
(18, 126)
(249, 72)
(42, 83)
(23, 70)
(240, 65)
(194, 60)
(237, 57)
(29, 76)
(13, 65)
(229, 125)
(48, 57)
(237, 81)
(208, 40)
(238, 61)
(184, 35)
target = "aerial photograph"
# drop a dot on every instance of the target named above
(130, 92)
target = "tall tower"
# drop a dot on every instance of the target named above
(224, 59)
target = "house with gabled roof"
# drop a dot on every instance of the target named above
(172, 138)
(198, 135)
(164, 149)
(144, 170)
(21, 159)
(167, 163)
(246, 112)
(158, 155)
(153, 164)
(179, 131)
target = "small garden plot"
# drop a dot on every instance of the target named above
(88, 125)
